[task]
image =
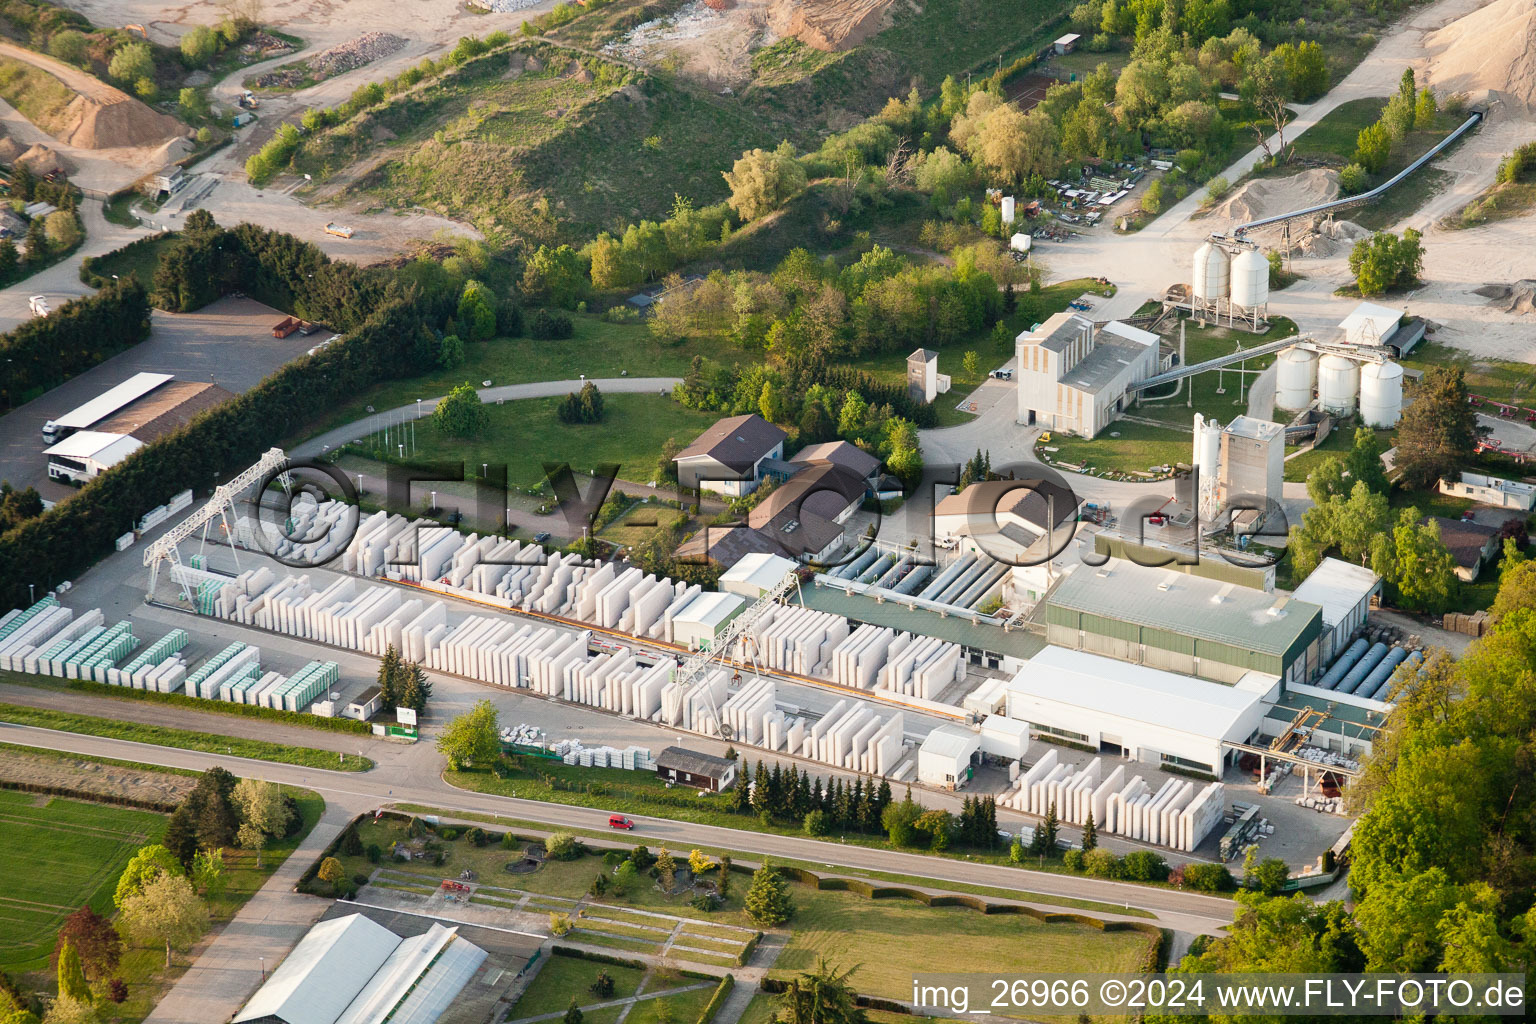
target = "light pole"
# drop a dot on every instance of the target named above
(483, 466)
(402, 450)
(418, 408)
(263, 967)
(31, 593)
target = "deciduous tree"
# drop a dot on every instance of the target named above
(167, 910)
(471, 738)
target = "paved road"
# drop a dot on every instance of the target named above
(61, 282)
(1182, 911)
(505, 393)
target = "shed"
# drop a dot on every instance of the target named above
(1344, 591)
(1067, 43)
(695, 768)
(1004, 737)
(944, 759)
(86, 453)
(755, 574)
(366, 704)
(697, 625)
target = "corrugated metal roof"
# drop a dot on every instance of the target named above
(326, 970)
(1147, 695)
(710, 609)
(106, 448)
(418, 981)
(1249, 620)
(1017, 643)
(951, 741)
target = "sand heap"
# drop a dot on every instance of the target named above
(91, 123)
(1519, 297)
(42, 161)
(1490, 51)
(1265, 197)
(829, 24)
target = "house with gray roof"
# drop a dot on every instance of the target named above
(728, 458)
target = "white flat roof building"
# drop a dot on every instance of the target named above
(1004, 737)
(1344, 590)
(756, 573)
(1145, 713)
(944, 759)
(86, 453)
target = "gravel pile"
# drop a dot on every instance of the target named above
(504, 6)
(349, 56)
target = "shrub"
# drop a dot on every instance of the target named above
(117, 990)
(1353, 179)
(448, 834)
(562, 846)
(476, 835)
(1102, 863)
(375, 854)
(1217, 187)
(360, 879)
(1073, 860)
(509, 841)
(1208, 878)
(548, 326)
(559, 923)
(1144, 866)
(351, 843)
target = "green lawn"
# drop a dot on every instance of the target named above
(1200, 344)
(1138, 449)
(634, 525)
(599, 349)
(1496, 379)
(61, 854)
(143, 261)
(562, 977)
(184, 739)
(527, 434)
(848, 929)
(36, 94)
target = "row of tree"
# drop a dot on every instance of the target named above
(44, 352)
(402, 684)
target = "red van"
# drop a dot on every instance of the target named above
(619, 821)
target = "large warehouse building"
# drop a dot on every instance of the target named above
(1141, 713)
(352, 970)
(1344, 591)
(1181, 623)
(1073, 373)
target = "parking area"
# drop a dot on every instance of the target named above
(228, 342)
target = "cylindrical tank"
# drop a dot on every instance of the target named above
(1296, 378)
(1212, 274)
(1210, 450)
(1381, 394)
(1343, 664)
(1250, 279)
(1008, 209)
(1355, 676)
(1338, 382)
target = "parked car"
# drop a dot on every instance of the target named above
(540, 538)
(1003, 374)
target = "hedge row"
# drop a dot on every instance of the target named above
(349, 725)
(44, 352)
(386, 340)
(717, 1000)
(746, 951)
(116, 800)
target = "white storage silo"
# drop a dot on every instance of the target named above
(1008, 209)
(1338, 382)
(1212, 275)
(1250, 279)
(1210, 449)
(1296, 377)
(1381, 394)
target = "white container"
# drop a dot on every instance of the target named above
(1338, 384)
(1296, 379)
(1381, 394)
(1212, 274)
(1250, 279)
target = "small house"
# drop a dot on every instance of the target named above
(696, 769)
(1470, 544)
(166, 180)
(366, 704)
(728, 457)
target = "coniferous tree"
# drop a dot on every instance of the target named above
(389, 673)
(856, 805)
(741, 792)
(1090, 833)
(767, 902)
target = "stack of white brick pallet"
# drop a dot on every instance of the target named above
(1179, 815)
(819, 645)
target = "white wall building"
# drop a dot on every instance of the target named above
(944, 759)
(755, 574)
(1143, 713)
(1073, 375)
(704, 618)
(1344, 590)
(1492, 490)
(86, 453)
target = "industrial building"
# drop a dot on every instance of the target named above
(162, 406)
(352, 970)
(755, 574)
(1142, 713)
(1344, 380)
(1252, 463)
(1181, 623)
(695, 769)
(924, 381)
(1004, 517)
(1231, 280)
(945, 757)
(1492, 490)
(728, 457)
(1073, 373)
(1374, 325)
(1344, 591)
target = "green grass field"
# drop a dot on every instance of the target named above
(36, 94)
(1496, 379)
(184, 739)
(562, 977)
(1138, 449)
(142, 262)
(526, 434)
(61, 854)
(1200, 344)
(599, 349)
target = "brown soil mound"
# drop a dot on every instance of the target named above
(1490, 50)
(93, 124)
(10, 149)
(41, 160)
(1265, 197)
(829, 24)
(1519, 297)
